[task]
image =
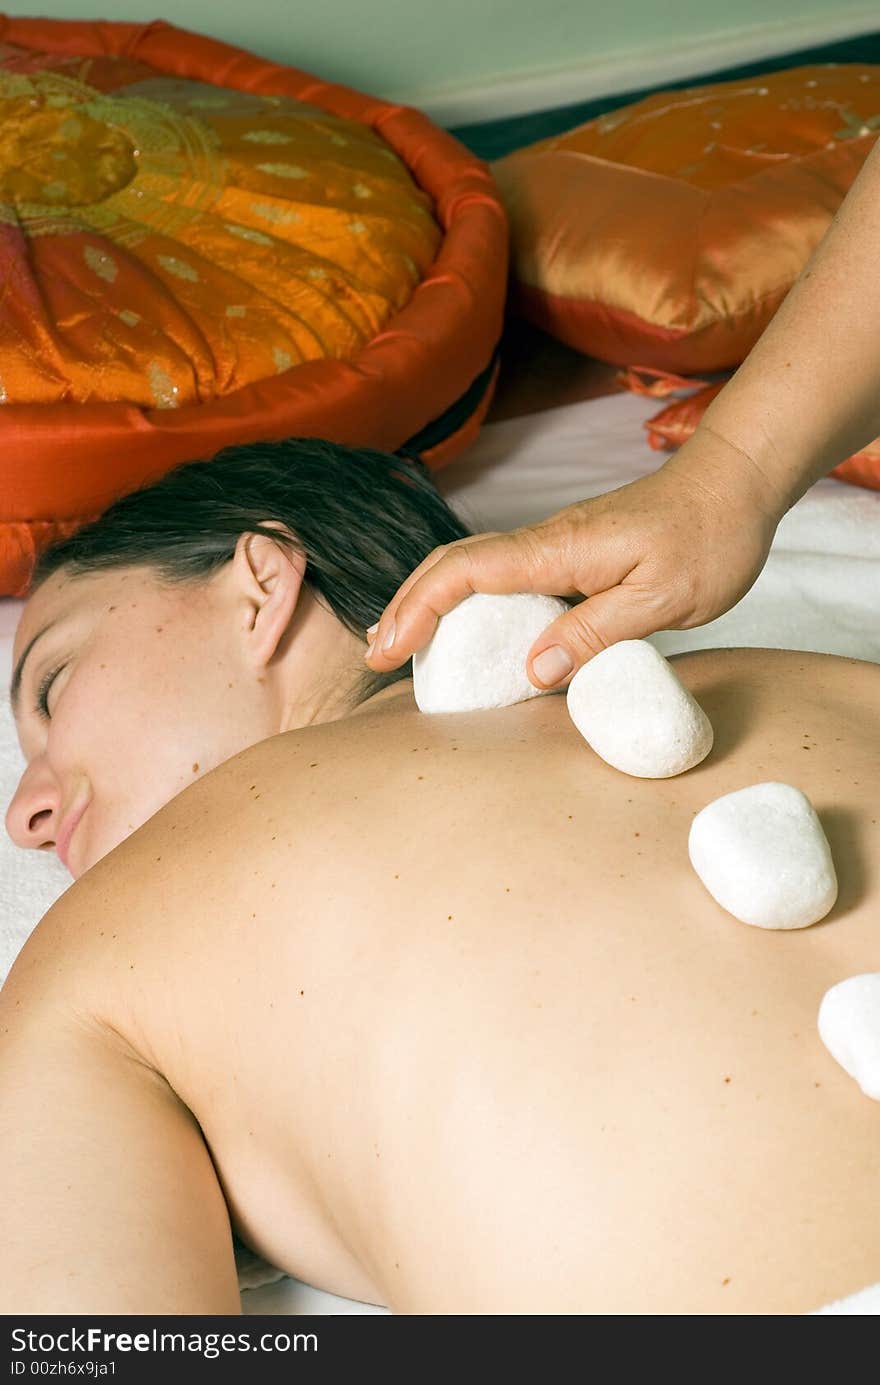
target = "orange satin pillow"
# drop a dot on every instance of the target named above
(666, 233)
(199, 247)
(675, 424)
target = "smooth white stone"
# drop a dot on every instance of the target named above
(477, 657)
(762, 854)
(630, 707)
(849, 1027)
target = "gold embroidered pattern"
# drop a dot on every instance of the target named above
(155, 187)
(179, 268)
(283, 170)
(163, 388)
(267, 137)
(280, 215)
(248, 233)
(101, 263)
(855, 127)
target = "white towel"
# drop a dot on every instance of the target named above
(30, 881)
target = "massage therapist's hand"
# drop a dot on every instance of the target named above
(670, 551)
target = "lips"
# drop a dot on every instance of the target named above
(66, 831)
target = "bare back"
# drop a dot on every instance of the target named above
(464, 1032)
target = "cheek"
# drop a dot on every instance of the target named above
(149, 719)
(99, 714)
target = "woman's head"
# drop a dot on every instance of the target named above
(196, 616)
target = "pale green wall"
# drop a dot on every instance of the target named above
(401, 47)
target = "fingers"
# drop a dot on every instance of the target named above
(623, 613)
(386, 626)
(511, 562)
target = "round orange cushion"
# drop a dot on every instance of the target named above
(201, 248)
(667, 233)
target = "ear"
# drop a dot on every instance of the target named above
(268, 576)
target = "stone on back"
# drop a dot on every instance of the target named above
(634, 712)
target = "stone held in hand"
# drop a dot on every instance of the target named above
(763, 856)
(477, 656)
(849, 1027)
(631, 708)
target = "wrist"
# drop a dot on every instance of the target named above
(785, 440)
(754, 484)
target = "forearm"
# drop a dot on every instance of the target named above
(808, 394)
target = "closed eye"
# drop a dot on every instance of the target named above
(42, 698)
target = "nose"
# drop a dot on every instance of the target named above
(33, 815)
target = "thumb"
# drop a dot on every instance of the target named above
(617, 614)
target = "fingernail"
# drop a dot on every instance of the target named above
(389, 638)
(551, 665)
(370, 647)
(372, 630)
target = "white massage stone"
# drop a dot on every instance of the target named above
(477, 657)
(849, 1027)
(629, 706)
(762, 855)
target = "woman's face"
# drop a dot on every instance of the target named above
(144, 688)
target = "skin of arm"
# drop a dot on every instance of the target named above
(808, 394)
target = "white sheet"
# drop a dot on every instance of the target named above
(820, 590)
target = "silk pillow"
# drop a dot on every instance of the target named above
(666, 233)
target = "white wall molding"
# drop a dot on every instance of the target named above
(633, 68)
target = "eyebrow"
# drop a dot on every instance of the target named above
(15, 685)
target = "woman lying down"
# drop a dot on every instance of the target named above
(431, 1011)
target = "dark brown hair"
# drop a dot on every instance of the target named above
(363, 519)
